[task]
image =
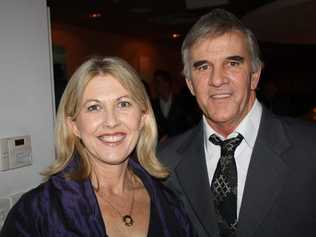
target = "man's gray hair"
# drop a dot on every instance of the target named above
(214, 24)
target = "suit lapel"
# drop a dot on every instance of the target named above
(265, 176)
(192, 175)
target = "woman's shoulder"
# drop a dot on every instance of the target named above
(39, 197)
(53, 202)
(33, 198)
(22, 216)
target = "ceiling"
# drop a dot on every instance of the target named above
(285, 28)
(276, 21)
(284, 21)
(157, 18)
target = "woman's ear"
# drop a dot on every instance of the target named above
(143, 119)
(72, 125)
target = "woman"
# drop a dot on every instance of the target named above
(95, 187)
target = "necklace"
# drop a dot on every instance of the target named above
(127, 219)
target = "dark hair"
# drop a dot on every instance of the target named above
(163, 75)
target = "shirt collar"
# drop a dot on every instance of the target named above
(167, 102)
(248, 127)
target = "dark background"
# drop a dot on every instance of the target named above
(285, 30)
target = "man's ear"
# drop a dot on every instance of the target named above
(190, 86)
(255, 77)
(72, 125)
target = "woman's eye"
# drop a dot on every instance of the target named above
(95, 107)
(124, 104)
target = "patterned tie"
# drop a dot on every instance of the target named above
(224, 185)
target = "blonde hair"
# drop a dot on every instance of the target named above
(67, 144)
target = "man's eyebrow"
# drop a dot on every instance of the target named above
(199, 63)
(236, 58)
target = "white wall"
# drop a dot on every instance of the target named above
(26, 100)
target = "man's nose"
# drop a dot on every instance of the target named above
(218, 77)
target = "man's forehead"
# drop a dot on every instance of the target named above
(227, 45)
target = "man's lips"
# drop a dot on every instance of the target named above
(220, 95)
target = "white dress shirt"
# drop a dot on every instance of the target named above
(248, 128)
(165, 105)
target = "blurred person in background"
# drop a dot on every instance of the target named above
(173, 112)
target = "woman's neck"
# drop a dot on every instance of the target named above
(115, 179)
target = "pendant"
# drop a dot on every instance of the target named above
(128, 220)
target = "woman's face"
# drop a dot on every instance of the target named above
(109, 122)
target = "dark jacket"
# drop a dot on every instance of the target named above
(183, 115)
(66, 208)
(279, 194)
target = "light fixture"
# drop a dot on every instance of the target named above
(95, 15)
(175, 35)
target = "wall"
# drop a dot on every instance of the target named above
(144, 54)
(26, 99)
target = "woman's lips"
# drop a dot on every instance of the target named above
(112, 138)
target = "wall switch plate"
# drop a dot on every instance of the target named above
(20, 151)
(15, 152)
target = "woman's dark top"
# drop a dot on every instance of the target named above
(155, 228)
(66, 208)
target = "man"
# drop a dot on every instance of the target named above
(263, 184)
(172, 115)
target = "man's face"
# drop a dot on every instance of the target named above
(222, 80)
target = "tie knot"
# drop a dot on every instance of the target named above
(228, 144)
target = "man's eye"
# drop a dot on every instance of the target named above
(234, 63)
(95, 107)
(203, 67)
(124, 104)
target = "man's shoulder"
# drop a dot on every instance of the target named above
(300, 129)
(176, 142)
(296, 130)
(175, 145)
(296, 125)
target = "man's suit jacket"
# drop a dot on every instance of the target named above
(279, 198)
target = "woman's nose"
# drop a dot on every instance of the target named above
(110, 118)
